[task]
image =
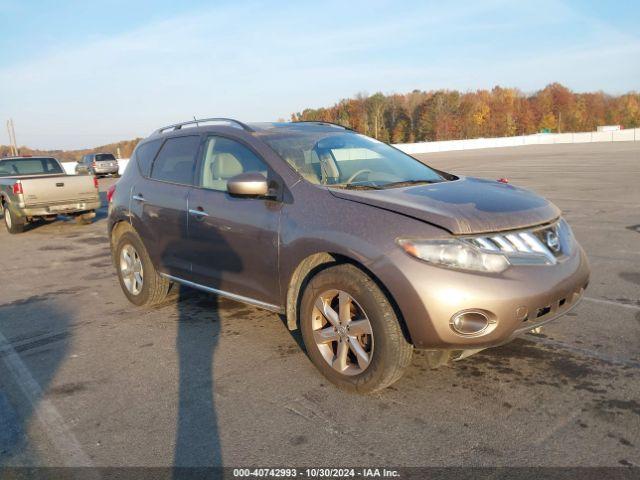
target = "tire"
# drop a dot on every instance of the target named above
(154, 288)
(85, 218)
(13, 225)
(385, 347)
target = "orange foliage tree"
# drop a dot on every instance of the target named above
(499, 112)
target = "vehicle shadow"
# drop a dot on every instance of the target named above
(197, 442)
(31, 352)
(103, 200)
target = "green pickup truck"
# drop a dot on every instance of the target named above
(33, 188)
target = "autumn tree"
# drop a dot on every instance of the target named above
(449, 114)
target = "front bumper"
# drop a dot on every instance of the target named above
(520, 299)
(60, 209)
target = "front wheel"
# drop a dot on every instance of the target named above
(11, 223)
(351, 331)
(140, 281)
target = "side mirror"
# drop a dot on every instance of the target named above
(250, 184)
(79, 161)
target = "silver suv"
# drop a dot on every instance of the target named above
(98, 164)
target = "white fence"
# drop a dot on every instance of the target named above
(629, 135)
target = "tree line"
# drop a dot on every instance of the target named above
(501, 112)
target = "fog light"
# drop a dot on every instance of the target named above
(470, 322)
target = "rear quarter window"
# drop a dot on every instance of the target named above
(144, 155)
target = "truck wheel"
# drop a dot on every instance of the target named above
(85, 218)
(351, 331)
(12, 224)
(138, 278)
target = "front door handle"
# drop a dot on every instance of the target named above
(139, 198)
(198, 212)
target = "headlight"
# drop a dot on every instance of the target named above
(454, 254)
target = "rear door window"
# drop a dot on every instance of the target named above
(105, 157)
(176, 160)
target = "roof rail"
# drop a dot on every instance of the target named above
(178, 126)
(318, 122)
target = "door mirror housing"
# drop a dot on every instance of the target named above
(250, 184)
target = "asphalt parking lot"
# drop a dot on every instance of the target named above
(88, 379)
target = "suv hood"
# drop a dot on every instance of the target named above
(464, 206)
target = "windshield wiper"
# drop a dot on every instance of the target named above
(405, 183)
(355, 186)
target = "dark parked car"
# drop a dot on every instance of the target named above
(368, 251)
(98, 164)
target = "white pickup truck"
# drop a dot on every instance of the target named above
(32, 188)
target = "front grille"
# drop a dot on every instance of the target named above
(538, 245)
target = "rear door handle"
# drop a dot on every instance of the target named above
(198, 212)
(139, 198)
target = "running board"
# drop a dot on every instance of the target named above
(229, 295)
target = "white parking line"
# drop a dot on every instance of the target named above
(52, 422)
(611, 302)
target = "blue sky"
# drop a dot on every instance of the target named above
(77, 74)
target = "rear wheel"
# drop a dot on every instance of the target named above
(85, 218)
(140, 281)
(13, 225)
(351, 331)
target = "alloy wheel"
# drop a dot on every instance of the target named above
(342, 332)
(131, 269)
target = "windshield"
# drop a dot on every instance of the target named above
(349, 160)
(29, 166)
(105, 157)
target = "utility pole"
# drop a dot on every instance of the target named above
(12, 137)
(559, 122)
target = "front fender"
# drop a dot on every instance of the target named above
(324, 227)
